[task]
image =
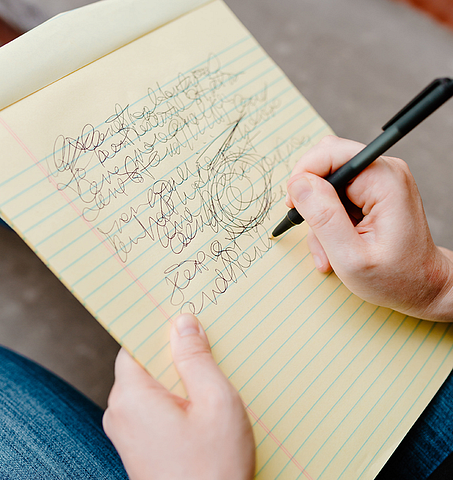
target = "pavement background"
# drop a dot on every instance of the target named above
(358, 63)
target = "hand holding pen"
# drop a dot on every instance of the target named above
(425, 103)
(376, 239)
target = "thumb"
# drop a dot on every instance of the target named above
(191, 352)
(318, 203)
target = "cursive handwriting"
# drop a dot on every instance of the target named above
(143, 178)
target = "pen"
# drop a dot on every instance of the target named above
(425, 103)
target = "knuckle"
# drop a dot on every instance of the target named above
(400, 168)
(117, 406)
(199, 352)
(322, 217)
(329, 141)
(107, 422)
(404, 178)
(364, 264)
(221, 397)
(110, 419)
(361, 263)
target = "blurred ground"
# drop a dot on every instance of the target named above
(356, 62)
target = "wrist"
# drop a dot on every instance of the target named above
(440, 306)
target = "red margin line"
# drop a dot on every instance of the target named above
(88, 224)
(141, 286)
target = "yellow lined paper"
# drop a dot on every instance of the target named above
(149, 182)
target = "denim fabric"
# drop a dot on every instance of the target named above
(48, 430)
(428, 443)
(444, 471)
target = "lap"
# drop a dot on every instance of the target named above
(48, 430)
(428, 443)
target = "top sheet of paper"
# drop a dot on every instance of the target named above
(76, 38)
(149, 182)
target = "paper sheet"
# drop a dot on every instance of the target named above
(76, 38)
(149, 182)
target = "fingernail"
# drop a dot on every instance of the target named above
(317, 260)
(187, 324)
(301, 190)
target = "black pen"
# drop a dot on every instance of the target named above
(425, 103)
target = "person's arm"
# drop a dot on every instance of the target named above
(161, 436)
(376, 238)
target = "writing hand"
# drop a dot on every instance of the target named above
(377, 238)
(162, 436)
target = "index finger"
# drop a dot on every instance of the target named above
(327, 156)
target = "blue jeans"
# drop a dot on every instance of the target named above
(428, 443)
(50, 431)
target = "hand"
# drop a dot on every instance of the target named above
(162, 436)
(376, 239)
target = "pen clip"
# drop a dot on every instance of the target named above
(448, 82)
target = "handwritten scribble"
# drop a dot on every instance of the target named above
(224, 187)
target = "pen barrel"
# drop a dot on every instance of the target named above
(365, 157)
(425, 103)
(425, 107)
